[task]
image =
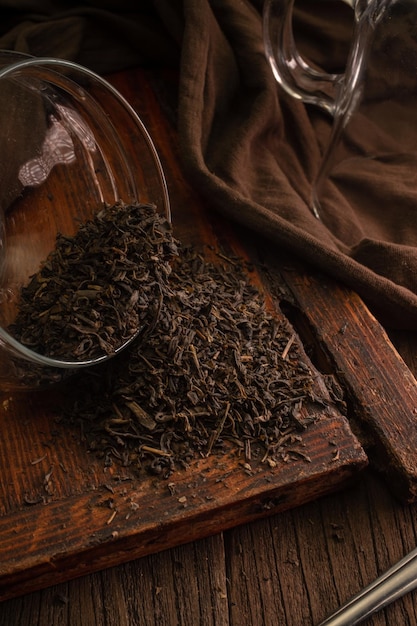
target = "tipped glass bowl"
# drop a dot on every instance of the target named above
(69, 145)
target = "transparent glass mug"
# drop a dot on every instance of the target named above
(371, 153)
(69, 145)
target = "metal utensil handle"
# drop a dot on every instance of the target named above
(397, 581)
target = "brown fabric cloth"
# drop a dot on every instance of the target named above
(250, 150)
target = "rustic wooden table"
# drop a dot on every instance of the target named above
(289, 568)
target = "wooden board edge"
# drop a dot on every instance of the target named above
(66, 555)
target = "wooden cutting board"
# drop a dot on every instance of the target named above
(64, 514)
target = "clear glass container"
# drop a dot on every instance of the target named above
(370, 161)
(70, 144)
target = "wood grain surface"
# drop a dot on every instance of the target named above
(70, 514)
(378, 386)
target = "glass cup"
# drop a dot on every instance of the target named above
(64, 133)
(371, 153)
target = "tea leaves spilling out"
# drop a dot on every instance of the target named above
(210, 366)
(215, 369)
(98, 288)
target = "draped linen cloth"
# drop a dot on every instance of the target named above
(249, 149)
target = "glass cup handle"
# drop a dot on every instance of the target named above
(291, 71)
(337, 94)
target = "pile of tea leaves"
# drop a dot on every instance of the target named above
(215, 370)
(98, 288)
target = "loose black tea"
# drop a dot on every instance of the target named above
(98, 288)
(216, 370)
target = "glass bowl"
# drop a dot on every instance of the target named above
(70, 145)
